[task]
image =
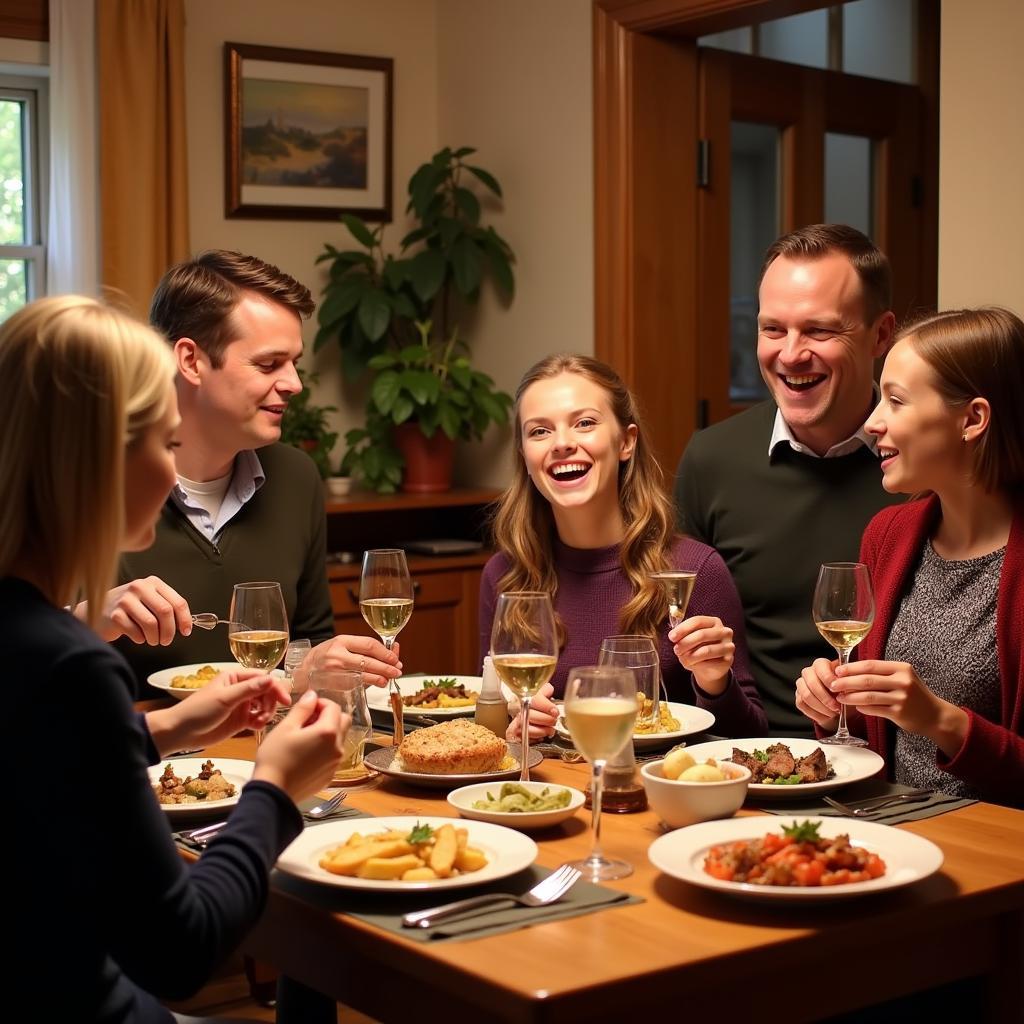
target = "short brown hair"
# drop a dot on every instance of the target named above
(815, 241)
(196, 299)
(979, 353)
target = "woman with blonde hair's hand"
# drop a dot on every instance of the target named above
(300, 754)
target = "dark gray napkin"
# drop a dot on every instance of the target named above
(385, 910)
(344, 811)
(916, 810)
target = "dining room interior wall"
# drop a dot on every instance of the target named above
(512, 79)
(404, 30)
(981, 201)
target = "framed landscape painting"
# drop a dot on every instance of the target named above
(308, 134)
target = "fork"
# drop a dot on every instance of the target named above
(546, 891)
(322, 810)
(878, 804)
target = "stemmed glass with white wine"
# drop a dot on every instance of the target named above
(678, 586)
(844, 609)
(524, 652)
(600, 711)
(258, 626)
(385, 600)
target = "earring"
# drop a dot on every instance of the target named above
(964, 439)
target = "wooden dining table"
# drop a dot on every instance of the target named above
(684, 949)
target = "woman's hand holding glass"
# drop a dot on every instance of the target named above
(544, 715)
(364, 654)
(704, 646)
(300, 755)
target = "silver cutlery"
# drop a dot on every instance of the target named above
(202, 836)
(322, 810)
(567, 754)
(207, 620)
(546, 891)
(869, 807)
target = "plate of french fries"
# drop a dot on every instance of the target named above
(405, 854)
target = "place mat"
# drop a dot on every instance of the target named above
(936, 803)
(385, 910)
(344, 811)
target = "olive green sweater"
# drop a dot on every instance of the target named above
(774, 521)
(278, 535)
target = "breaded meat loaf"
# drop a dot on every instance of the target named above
(458, 747)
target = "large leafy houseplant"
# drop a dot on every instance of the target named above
(399, 316)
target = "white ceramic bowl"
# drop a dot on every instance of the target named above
(339, 486)
(680, 803)
(462, 800)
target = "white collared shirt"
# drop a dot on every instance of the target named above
(781, 434)
(247, 478)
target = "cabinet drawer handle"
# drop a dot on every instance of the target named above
(354, 597)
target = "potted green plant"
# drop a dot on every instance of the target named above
(304, 425)
(399, 317)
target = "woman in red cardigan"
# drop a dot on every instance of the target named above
(939, 687)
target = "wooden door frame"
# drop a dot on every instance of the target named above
(645, 260)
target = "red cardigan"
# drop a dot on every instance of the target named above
(992, 756)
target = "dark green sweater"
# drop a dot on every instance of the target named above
(278, 535)
(774, 521)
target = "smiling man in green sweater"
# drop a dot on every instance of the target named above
(245, 507)
(792, 482)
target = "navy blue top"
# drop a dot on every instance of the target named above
(104, 913)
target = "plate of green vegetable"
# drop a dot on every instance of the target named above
(520, 805)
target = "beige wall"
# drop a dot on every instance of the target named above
(511, 78)
(981, 168)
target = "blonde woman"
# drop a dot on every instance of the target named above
(109, 918)
(938, 689)
(586, 519)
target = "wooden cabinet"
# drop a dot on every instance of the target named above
(442, 635)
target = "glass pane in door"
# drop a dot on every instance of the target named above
(753, 226)
(879, 39)
(12, 173)
(849, 182)
(13, 287)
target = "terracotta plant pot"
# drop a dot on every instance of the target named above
(429, 461)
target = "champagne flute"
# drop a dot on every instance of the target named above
(344, 687)
(524, 652)
(385, 600)
(844, 609)
(600, 710)
(258, 630)
(678, 586)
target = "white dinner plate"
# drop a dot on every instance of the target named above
(692, 720)
(908, 857)
(381, 759)
(162, 679)
(379, 699)
(236, 772)
(507, 852)
(850, 764)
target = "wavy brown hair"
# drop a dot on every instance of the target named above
(524, 525)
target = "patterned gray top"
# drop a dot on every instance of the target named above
(946, 629)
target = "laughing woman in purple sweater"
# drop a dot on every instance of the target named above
(586, 519)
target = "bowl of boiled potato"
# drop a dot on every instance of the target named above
(682, 791)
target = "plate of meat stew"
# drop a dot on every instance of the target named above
(437, 696)
(790, 768)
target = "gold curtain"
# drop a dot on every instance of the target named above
(140, 50)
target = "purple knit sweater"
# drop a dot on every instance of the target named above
(592, 588)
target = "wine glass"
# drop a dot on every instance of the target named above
(344, 687)
(258, 630)
(844, 608)
(639, 654)
(678, 586)
(385, 600)
(524, 652)
(600, 709)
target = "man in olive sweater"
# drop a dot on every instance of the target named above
(246, 508)
(791, 483)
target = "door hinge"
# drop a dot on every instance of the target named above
(703, 163)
